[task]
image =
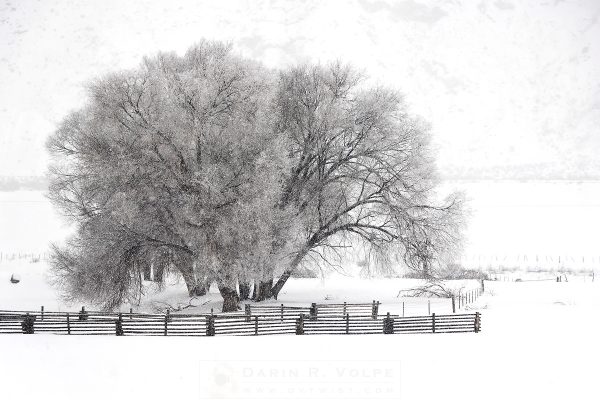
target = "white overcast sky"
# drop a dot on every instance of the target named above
(502, 82)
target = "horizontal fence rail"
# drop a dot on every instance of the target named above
(255, 320)
(315, 310)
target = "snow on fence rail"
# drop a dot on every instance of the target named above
(293, 320)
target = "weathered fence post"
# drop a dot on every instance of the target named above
(168, 316)
(477, 322)
(482, 286)
(210, 325)
(282, 312)
(27, 324)
(347, 323)
(388, 324)
(403, 309)
(433, 323)
(375, 310)
(130, 313)
(119, 326)
(344, 308)
(42, 313)
(247, 312)
(256, 325)
(166, 323)
(428, 307)
(313, 311)
(453, 305)
(300, 325)
(68, 324)
(83, 315)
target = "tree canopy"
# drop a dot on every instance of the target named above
(236, 173)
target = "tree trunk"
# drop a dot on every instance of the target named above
(255, 290)
(287, 273)
(426, 271)
(264, 290)
(159, 272)
(147, 272)
(194, 285)
(198, 290)
(230, 296)
(206, 285)
(280, 282)
(244, 290)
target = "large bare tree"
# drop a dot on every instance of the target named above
(362, 171)
(210, 164)
(177, 156)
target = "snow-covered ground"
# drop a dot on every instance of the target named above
(35, 290)
(538, 340)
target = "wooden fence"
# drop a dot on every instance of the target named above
(417, 306)
(255, 320)
(370, 310)
(464, 299)
(31, 257)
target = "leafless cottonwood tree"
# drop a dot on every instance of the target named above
(238, 175)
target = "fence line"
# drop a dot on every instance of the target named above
(356, 309)
(28, 256)
(464, 299)
(294, 321)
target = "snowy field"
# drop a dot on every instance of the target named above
(36, 290)
(538, 340)
(508, 88)
(536, 337)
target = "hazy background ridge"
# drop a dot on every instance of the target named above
(512, 89)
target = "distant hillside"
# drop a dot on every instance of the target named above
(502, 172)
(14, 183)
(513, 84)
(541, 171)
